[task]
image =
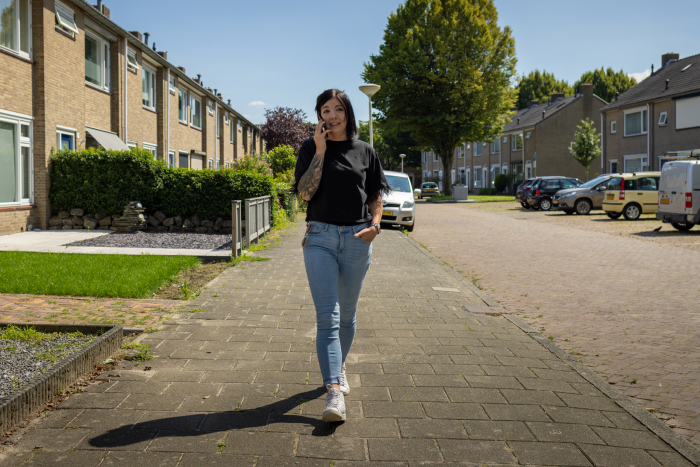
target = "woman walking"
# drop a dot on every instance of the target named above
(342, 180)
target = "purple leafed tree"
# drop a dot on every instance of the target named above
(286, 126)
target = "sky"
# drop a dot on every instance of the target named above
(267, 53)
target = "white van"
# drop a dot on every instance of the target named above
(679, 194)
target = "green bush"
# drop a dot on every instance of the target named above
(281, 159)
(105, 181)
(500, 182)
(488, 191)
(255, 163)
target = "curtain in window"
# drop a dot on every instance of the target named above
(8, 26)
(26, 172)
(8, 162)
(92, 62)
(633, 123)
(633, 165)
(24, 26)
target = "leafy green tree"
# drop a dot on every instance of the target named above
(389, 146)
(540, 85)
(606, 83)
(281, 159)
(586, 146)
(445, 69)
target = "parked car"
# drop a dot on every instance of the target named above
(632, 195)
(679, 194)
(521, 192)
(399, 207)
(429, 189)
(583, 199)
(543, 190)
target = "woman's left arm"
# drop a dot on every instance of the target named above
(375, 208)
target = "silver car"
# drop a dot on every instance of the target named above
(582, 199)
(399, 207)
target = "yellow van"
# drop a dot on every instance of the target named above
(632, 195)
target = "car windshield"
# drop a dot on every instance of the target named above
(592, 183)
(399, 183)
(429, 185)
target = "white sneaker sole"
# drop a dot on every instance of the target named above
(330, 415)
(345, 390)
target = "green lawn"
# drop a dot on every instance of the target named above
(88, 275)
(477, 198)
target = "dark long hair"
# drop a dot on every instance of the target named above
(328, 94)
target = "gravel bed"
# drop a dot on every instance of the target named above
(21, 361)
(178, 240)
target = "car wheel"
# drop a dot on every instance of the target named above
(682, 226)
(410, 227)
(632, 211)
(568, 211)
(545, 204)
(613, 215)
(583, 207)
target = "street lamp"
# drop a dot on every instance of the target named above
(402, 156)
(370, 90)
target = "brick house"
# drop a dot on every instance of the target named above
(534, 143)
(657, 116)
(70, 78)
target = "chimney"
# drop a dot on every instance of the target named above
(182, 69)
(219, 96)
(199, 79)
(137, 35)
(154, 46)
(215, 91)
(666, 85)
(652, 68)
(617, 96)
(532, 103)
(586, 89)
(556, 96)
(666, 58)
(229, 102)
(146, 35)
(163, 54)
(518, 121)
(101, 8)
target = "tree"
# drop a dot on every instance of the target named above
(286, 126)
(586, 146)
(445, 69)
(389, 146)
(281, 159)
(607, 83)
(540, 86)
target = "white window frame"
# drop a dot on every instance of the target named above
(494, 174)
(504, 169)
(505, 139)
(182, 92)
(171, 159)
(210, 106)
(240, 126)
(65, 131)
(104, 57)
(663, 119)
(225, 118)
(643, 157)
(18, 32)
(132, 144)
(210, 165)
(151, 83)
(18, 121)
(613, 127)
(231, 130)
(65, 19)
(515, 137)
(435, 156)
(460, 152)
(477, 149)
(643, 115)
(478, 181)
(218, 164)
(152, 148)
(218, 124)
(195, 99)
(496, 141)
(171, 84)
(132, 61)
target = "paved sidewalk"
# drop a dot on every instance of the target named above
(431, 383)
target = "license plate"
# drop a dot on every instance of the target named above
(387, 213)
(611, 196)
(555, 202)
(664, 201)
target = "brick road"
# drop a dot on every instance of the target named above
(432, 383)
(620, 297)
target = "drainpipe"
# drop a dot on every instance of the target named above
(602, 145)
(648, 134)
(167, 117)
(126, 87)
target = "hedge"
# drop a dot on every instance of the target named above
(105, 181)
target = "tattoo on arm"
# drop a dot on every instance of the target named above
(310, 181)
(375, 207)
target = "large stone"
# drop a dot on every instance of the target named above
(77, 212)
(89, 215)
(160, 216)
(100, 215)
(187, 224)
(226, 231)
(116, 216)
(55, 227)
(78, 227)
(208, 224)
(211, 231)
(187, 230)
(200, 230)
(227, 224)
(114, 228)
(153, 221)
(175, 228)
(67, 222)
(178, 221)
(161, 228)
(217, 224)
(63, 214)
(196, 220)
(67, 227)
(77, 220)
(55, 221)
(169, 221)
(132, 219)
(105, 221)
(90, 222)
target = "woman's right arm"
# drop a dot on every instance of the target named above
(310, 181)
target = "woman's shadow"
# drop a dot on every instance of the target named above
(220, 421)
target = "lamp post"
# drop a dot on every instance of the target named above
(370, 90)
(402, 156)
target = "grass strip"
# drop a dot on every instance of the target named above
(476, 198)
(88, 275)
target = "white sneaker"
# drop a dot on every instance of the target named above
(335, 406)
(344, 386)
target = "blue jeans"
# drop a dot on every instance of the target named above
(336, 265)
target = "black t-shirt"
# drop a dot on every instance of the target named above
(351, 173)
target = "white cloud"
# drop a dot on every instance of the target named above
(640, 76)
(257, 103)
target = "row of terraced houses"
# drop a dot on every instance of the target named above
(72, 78)
(655, 121)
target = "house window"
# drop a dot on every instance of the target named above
(97, 61)
(460, 152)
(171, 158)
(496, 146)
(218, 124)
(231, 131)
(183, 160)
(148, 87)
(504, 169)
(613, 166)
(517, 142)
(195, 112)
(182, 105)
(495, 172)
(65, 19)
(171, 84)
(131, 61)
(688, 113)
(505, 139)
(435, 156)
(637, 163)
(15, 160)
(240, 126)
(528, 170)
(477, 152)
(210, 106)
(152, 148)
(663, 118)
(477, 177)
(211, 164)
(14, 27)
(218, 164)
(131, 144)
(423, 157)
(635, 122)
(462, 176)
(65, 140)
(613, 127)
